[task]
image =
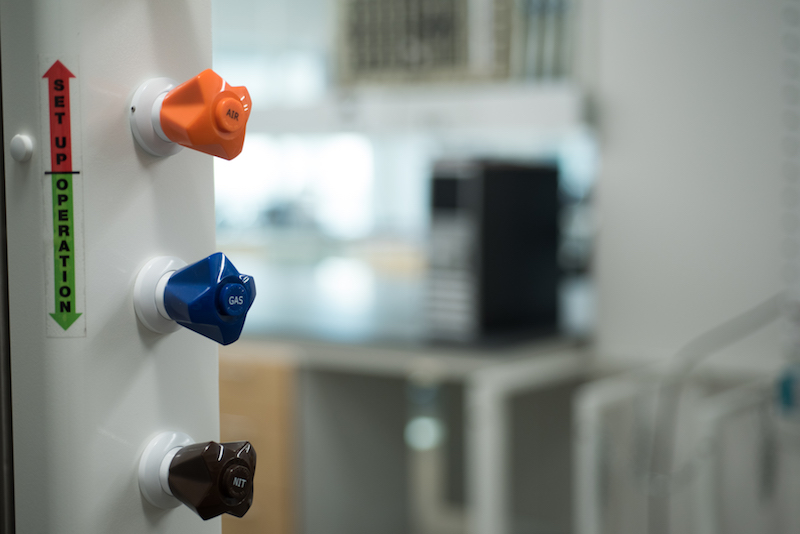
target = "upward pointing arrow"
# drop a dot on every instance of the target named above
(63, 206)
(60, 132)
(58, 70)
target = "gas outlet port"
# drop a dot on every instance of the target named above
(210, 297)
(210, 478)
(204, 113)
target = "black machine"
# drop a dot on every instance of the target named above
(493, 271)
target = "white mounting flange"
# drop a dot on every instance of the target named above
(154, 468)
(146, 117)
(148, 293)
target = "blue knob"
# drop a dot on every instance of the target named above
(210, 297)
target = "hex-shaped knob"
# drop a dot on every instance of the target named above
(214, 478)
(207, 114)
(204, 113)
(210, 478)
(210, 297)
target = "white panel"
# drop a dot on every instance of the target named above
(85, 407)
(690, 110)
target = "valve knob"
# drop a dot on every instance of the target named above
(207, 114)
(204, 113)
(214, 478)
(210, 478)
(210, 297)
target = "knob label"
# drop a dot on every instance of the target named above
(63, 207)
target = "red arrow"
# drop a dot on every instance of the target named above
(60, 133)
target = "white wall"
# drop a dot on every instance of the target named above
(689, 101)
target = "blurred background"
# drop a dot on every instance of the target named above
(524, 266)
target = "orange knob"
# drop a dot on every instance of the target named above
(207, 114)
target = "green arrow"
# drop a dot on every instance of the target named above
(64, 251)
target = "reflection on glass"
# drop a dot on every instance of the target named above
(291, 182)
(336, 253)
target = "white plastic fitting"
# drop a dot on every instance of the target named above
(146, 117)
(21, 148)
(154, 468)
(148, 293)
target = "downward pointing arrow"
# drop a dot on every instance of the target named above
(65, 320)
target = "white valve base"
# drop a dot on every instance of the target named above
(146, 117)
(148, 293)
(154, 468)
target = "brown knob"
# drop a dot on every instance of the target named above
(214, 478)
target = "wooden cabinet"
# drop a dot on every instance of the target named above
(256, 399)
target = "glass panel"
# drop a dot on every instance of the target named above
(334, 224)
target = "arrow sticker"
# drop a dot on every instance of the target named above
(58, 77)
(63, 251)
(62, 200)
